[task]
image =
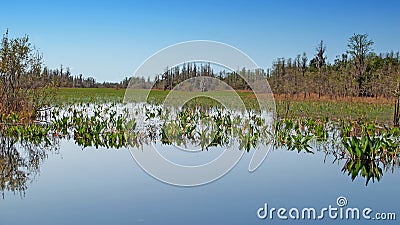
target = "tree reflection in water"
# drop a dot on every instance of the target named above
(20, 162)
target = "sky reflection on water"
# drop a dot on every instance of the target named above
(103, 186)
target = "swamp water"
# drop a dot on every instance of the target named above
(82, 171)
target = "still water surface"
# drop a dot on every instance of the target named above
(106, 186)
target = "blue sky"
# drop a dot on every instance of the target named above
(110, 39)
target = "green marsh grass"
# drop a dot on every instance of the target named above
(333, 110)
(359, 133)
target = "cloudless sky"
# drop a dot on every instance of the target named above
(110, 39)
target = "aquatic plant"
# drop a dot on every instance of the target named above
(367, 148)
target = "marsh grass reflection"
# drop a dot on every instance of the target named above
(368, 150)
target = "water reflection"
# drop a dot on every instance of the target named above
(20, 161)
(366, 169)
(366, 152)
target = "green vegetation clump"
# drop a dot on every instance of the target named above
(24, 88)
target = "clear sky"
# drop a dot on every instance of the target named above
(110, 39)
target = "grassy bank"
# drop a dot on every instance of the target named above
(72, 95)
(362, 109)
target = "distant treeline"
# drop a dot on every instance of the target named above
(63, 78)
(235, 79)
(358, 72)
